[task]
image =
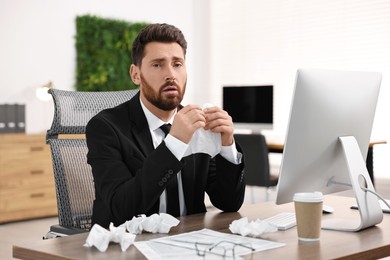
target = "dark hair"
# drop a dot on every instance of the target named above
(156, 33)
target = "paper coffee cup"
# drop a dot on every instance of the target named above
(308, 213)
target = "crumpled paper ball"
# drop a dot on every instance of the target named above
(101, 237)
(156, 223)
(253, 228)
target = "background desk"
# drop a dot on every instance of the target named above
(276, 145)
(372, 243)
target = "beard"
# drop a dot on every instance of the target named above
(163, 102)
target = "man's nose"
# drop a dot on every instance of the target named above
(170, 74)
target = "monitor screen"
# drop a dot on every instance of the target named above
(251, 107)
(327, 106)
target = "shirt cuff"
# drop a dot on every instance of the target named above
(177, 147)
(231, 154)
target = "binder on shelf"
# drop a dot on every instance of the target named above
(10, 118)
(3, 120)
(20, 118)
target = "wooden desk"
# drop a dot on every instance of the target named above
(276, 145)
(372, 243)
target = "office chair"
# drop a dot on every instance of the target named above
(72, 174)
(257, 169)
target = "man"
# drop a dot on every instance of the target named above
(134, 164)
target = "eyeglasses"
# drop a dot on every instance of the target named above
(225, 249)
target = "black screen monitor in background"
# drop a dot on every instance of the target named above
(251, 107)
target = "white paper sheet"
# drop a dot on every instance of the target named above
(182, 246)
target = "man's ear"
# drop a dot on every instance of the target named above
(135, 74)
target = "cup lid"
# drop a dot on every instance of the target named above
(308, 196)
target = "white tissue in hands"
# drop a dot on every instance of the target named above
(204, 141)
(101, 237)
(254, 228)
(156, 223)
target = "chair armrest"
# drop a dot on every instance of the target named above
(65, 231)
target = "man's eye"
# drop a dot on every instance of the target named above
(178, 64)
(156, 65)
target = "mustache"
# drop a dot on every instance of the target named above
(169, 84)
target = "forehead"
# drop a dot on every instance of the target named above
(163, 50)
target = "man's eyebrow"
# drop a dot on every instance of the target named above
(157, 60)
(165, 59)
(178, 59)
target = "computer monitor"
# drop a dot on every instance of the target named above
(327, 140)
(251, 107)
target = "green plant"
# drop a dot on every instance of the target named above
(103, 49)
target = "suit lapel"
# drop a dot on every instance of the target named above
(139, 126)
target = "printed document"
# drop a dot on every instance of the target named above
(203, 244)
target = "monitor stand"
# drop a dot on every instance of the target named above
(368, 204)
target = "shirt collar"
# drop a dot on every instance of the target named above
(153, 121)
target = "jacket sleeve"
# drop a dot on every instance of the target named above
(226, 183)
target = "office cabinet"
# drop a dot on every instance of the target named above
(26, 178)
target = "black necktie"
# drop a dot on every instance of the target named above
(173, 206)
(166, 128)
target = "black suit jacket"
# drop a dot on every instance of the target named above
(130, 175)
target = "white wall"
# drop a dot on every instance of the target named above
(37, 45)
(265, 42)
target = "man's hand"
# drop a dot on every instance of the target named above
(219, 121)
(187, 121)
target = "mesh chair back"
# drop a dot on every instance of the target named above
(74, 183)
(73, 175)
(73, 109)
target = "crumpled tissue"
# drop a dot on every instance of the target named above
(101, 237)
(204, 141)
(156, 223)
(253, 228)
